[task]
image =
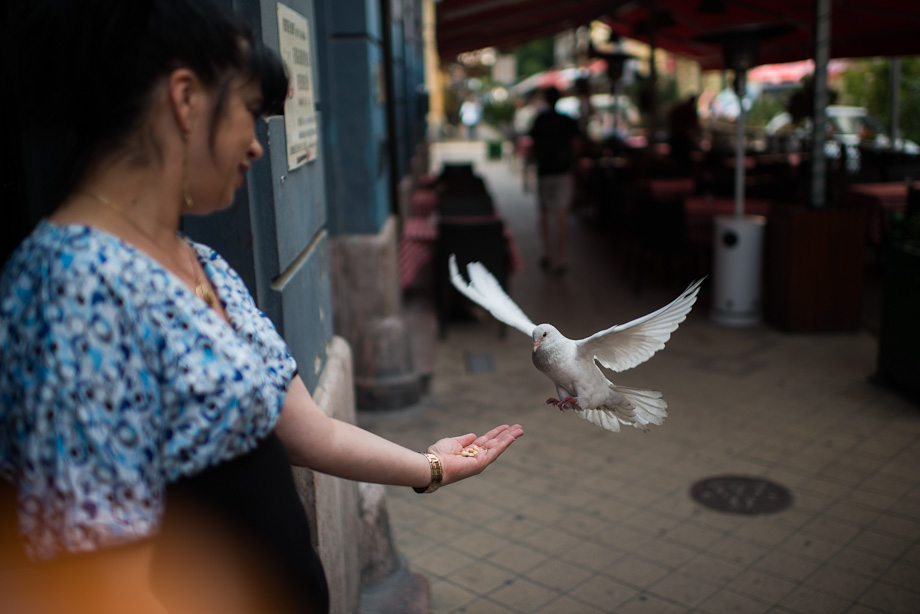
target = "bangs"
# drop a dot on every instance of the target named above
(265, 66)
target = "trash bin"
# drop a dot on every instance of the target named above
(737, 264)
(494, 150)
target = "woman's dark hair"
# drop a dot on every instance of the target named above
(85, 71)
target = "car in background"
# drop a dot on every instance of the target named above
(847, 125)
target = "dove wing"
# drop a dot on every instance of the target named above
(624, 346)
(485, 290)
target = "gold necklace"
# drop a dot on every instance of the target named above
(203, 289)
(203, 286)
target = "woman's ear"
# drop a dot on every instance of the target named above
(185, 97)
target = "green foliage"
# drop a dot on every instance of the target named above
(497, 113)
(866, 83)
(534, 56)
(764, 109)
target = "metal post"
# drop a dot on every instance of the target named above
(741, 91)
(653, 78)
(895, 130)
(819, 114)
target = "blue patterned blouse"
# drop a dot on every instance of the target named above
(115, 379)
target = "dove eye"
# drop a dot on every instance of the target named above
(544, 334)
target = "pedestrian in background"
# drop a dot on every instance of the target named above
(556, 140)
(471, 115)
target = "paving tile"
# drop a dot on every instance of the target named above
(806, 600)
(872, 498)
(511, 525)
(685, 590)
(442, 561)
(904, 528)
(481, 578)
(831, 529)
(839, 583)
(623, 538)
(738, 550)
(712, 569)
(728, 602)
(477, 543)
(904, 575)
(559, 575)
(636, 572)
(895, 486)
(565, 604)
(445, 597)
(604, 593)
(880, 543)
(891, 599)
(411, 543)
(522, 595)
(855, 514)
(650, 604)
(483, 606)
(810, 547)
(517, 558)
(665, 553)
(697, 538)
(442, 528)
(860, 562)
(764, 532)
(592, 555)
(765, 587)
(551, 540)
(788, 565)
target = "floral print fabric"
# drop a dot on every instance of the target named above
(116, 379)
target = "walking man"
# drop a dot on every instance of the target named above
(555, 141)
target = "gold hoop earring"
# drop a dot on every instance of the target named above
(186, 189)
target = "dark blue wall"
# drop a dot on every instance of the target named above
(350, 61)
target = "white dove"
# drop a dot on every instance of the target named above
(572, 365)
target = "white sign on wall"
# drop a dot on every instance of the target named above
(299, 109)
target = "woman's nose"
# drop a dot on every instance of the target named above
(255, 149)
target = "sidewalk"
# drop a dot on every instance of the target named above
(574, 519)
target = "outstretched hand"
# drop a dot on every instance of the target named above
(456, 466)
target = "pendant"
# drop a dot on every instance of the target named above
(203, 292)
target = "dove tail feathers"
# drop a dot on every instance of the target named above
(639, 409)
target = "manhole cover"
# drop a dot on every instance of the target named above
(741, 495)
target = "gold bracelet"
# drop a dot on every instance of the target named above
(437, 474)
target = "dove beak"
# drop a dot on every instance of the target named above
(536, 344)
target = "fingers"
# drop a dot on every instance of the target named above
(465, 440)
(496, 432)
(505, 438)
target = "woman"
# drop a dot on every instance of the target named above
(149, 412)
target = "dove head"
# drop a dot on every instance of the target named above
(543, 334)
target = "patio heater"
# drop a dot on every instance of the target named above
(616, 62)
(738, 240)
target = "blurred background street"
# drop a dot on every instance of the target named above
(575, 519)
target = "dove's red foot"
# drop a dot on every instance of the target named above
(563, 404)
(568, 403)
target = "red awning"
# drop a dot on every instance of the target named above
(858, 27)
(465, 25)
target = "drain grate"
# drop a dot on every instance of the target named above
(741, 495)
(479, 362)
